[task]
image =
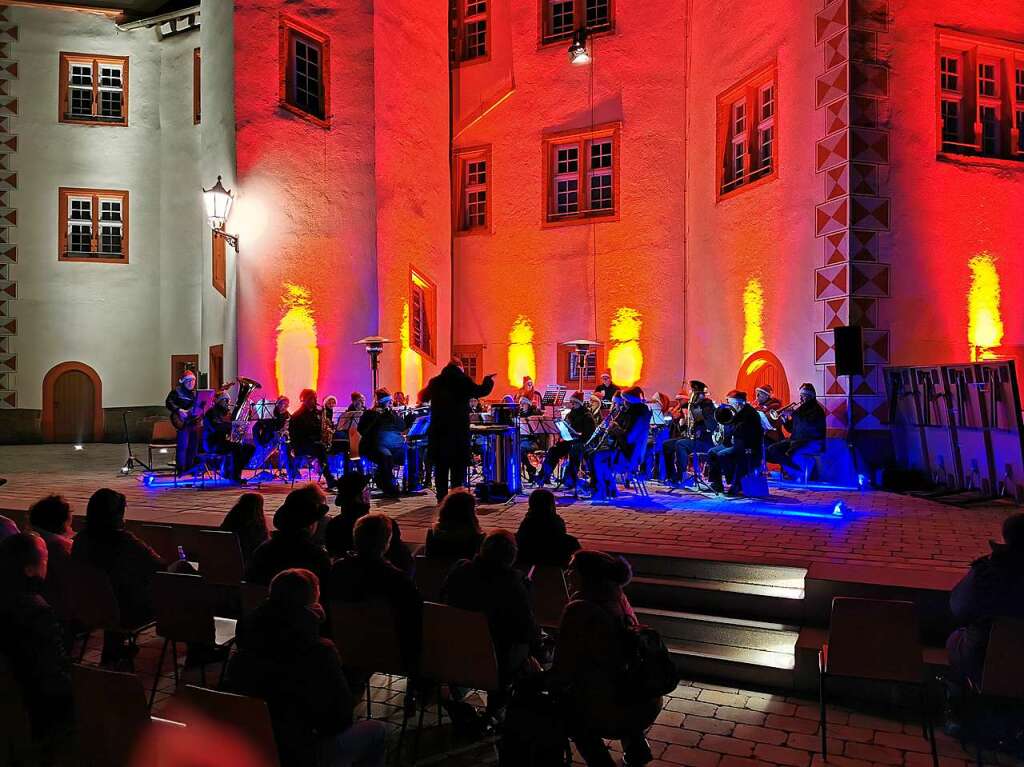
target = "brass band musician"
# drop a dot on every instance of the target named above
(606, 390)
(217, 423)
(306, 435)
(766, 403)
(382, 440)
(529, 391)
(806, 427)
(697, 427)
(742, 444)
(581, 420)
(623, 443)
(528, 443)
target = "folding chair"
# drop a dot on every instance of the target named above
(1002, 682)
(249, 716)
(110, 715)
(184, 613)
(220, 557)
(548, 595)
(457, 650)
(875, 640)
(94, 605)
(163, 539)
(366, 636)
(164, 436)
(16, 746)
(430, 574)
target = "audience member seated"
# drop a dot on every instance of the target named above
(30, 639)
(456, 533)
(282, 659)
(993, 588)
(293, 543)
(541, 538)
(354, 501)
(589, 658)
(246, 521)
(8, 527)
(491, 585)
(365, 574)
(127, 561)
(50, 517)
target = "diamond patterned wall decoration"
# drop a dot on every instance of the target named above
(8, 209)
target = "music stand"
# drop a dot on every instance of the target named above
(374, 347)
(553, 396)
(348, 419)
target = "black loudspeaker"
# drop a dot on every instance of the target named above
(849, 350)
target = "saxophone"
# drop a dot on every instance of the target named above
(326, 430)
(599, 440)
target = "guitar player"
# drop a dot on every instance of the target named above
(185, 415)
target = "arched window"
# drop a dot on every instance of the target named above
(761, 368)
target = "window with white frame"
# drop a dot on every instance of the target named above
(94, 225)
(561, 18)
(981, 97)
(747, 130)
(473, 30)
(472, 213)
(94, 89)
(582, 175)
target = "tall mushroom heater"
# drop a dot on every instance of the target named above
(581, 348)
(374, 346)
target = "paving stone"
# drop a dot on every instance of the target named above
(873, 753)
(690, 707)
(738, 761)
(677, 735)
(760, 734)
(915, 759)
(725, 745)
(845, 732)
(739, 715)
(723, 698)
(791, 724)
(772, 705)
(875, 723)
(782, 755)
(705, 724)
(690, 756)
(903, 742)
(670, 718)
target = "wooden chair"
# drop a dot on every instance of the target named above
(548, 595)
(94, 605)
(220, 557)
(457, 650)
(110, 715)
(163, 539)
(16, 746)
(876, 640)
(164, 436)
(430, 574)
(366, 636)
(183, 605)
(1002, 682)
(249, 716)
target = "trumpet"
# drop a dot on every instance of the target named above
(775, 415)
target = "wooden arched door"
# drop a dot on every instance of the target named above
(762, 368)
(72, 404)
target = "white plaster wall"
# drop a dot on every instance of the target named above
(124, 320)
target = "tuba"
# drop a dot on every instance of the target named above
(246, 386)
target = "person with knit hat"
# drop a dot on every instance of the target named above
(606, 390)
(589, 658)
(697, 428)
(766, 403)
(382, 440)
(628, 441)
(581, 421)
(293, 542)
(181, 404)
(529, 391)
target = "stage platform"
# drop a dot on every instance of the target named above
(741, 589)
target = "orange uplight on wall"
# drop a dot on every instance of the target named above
(753, 317)
(521, 358)
(625, 357)
(984, 321)
(412, 363)
(297, 362)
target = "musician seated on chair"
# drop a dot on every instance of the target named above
(357, 403)
(528, 443)
(529, 391)
(606, 390)
(765, 402)
(306, 434)
(582, 422)
(696, 426)
(624, 446)
(217, 438)
(181, 404)
(382, 440)
(742, 444)
(806, 427)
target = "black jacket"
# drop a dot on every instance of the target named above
(31, 642)
(992, 588)
(635, 423)
(284, 551)
(701, 419)
(448, 545)
(216, 429)
(807, 422)
(180, 398)
(501, 594)
(581, 421)
(281, 659)
(542, 540)
(338, 537)
(378, 427)
(746, 433)
(607, 393)
(355, 578)
(304, 427)
(449, 393)
(128, 562)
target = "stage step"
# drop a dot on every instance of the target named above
(759, 592)
(742, 651)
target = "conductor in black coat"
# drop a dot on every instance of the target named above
(448, 438)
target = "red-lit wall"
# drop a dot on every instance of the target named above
(549, 274)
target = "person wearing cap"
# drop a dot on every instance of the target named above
(806, 427)
(581, 421)
(293, 542)
(305, 435)
(381, 439)
(628, 435)
(448, 438)
(697, 427)
(353, 503)
(766, 403)
(742, 446)
(181, 402)
(529, 443)
(217, 439)
(529, 391)
(606, 390)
